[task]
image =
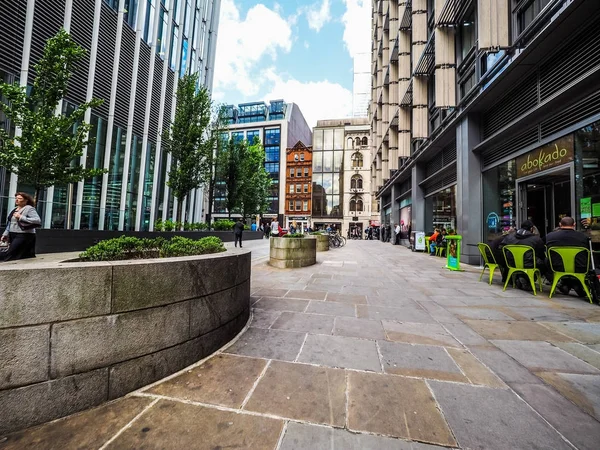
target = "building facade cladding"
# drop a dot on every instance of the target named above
(136, 52)
(298, 197)
(466, 94)
(276, 125)
(336, 160)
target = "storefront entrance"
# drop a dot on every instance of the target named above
(546, 198)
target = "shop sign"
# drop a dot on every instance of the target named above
(585, 206)
(492, 220)
(552, 155)
(453, 252)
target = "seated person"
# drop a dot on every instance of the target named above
(525, 236)
(496, 248)
(567, 236)
(432, 241)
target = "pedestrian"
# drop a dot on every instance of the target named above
(238, 230)
(525, 236)
(274, 228)
(397, 230)
(267, 230)
(20, 229)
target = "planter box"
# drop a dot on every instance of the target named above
(293, 252)
(74, 335)
(322, 242)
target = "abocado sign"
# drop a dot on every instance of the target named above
(551, 155)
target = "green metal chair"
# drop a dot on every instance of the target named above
(516, 264)
(489, 260)
(440, 250)
(568, 256)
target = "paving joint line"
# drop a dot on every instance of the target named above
(128, 425)
(254, 386)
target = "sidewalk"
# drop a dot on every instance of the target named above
(375, 347)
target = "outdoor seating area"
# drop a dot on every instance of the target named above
(561, 263)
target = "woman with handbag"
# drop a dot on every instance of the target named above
(20, 229)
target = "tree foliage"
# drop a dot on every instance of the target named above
(49, 148)
(189, 140)
(242, 172)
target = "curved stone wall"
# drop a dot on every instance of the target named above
(292, 252)
(322, 242)
(74, 335)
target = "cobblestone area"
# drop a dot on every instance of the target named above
(374, 347)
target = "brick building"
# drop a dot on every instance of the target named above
(298, 182)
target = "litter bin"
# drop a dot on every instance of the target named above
(453, 252)
(418, 242)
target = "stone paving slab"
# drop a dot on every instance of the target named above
(474, 370)
(301, 436)
(379, 404)
(301, 392)
(275, 344)
(353, 299)
(264, 318)
(487, 418)
(282, 304)
(544, 357)
(587, 333)
(423, 361)
(578, 427)
(177, 425)
(478, 313)
(583, 390)
(404, 314)
(307, 323)
(89, 429)
(331, 309)
(582, 352)
(223, 380)
(359, 328)
(340, 351)
(517, 330)
(419, 333)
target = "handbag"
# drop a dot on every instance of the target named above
(4, 246)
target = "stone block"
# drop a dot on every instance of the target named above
(86, 344)
(38, 403)
(64, 292)
(23, 356)
(180, 279)
(212, 311)
(136, 373)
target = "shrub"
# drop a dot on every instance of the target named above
(294, 235)
(159, 225)
(128, 247)
(224, 225)
(168, 225)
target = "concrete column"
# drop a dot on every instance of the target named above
(469, 201)
(418, 199)
(395, 214)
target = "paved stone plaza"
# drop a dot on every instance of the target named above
(374, 347)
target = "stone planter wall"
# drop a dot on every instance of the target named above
(293, 252)
(74, 335)
(322, 242)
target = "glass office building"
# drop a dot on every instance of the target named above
(137, 50)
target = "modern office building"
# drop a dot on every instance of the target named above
(298, 197)
(361, 85)
(341, 177)
(485, 114)
(278, 125)
(136, 52)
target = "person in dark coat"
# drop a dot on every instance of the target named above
(238, 229)
(525, 236)
(567, 236)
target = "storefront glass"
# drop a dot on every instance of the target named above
(587, 179)
(499, 200)
(440, 210)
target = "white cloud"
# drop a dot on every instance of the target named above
(317, 100)
(357, 26)
(317, 16)
(242, 43)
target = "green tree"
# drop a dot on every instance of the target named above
(189, 140)
(217, 129)
(230, 171)
(256, 181)
(49, 148)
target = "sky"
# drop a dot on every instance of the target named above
(300, 51)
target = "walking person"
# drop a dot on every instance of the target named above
(238, 230)
(20, 229)
(397, 230)
(274, 228)
(267, 230)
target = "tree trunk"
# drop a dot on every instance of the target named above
(36, 196)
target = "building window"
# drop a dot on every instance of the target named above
(528, 12)
(306, 171)
(291, 188)
(365, 141)
(357, 141)
(356, 182)
(306, 188)
(298, 205)
(292, 172)
(356, 205)
(299, 172)
(291, 205)
(296, 157)
(466, 35)
(298, 188)
(357, 159)
(305, 205)
(301, 156)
